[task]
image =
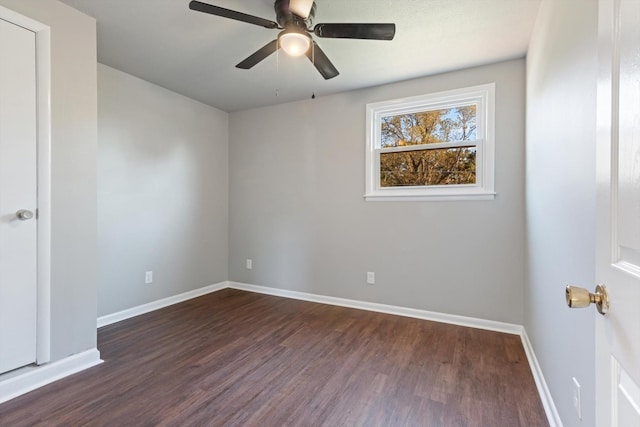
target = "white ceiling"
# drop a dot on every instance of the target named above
(192, 53)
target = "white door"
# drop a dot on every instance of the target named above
(618, 221)
(18, 178)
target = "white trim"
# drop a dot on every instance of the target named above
(158, 304)
(21, 20)
(435, 146)
(43, 345)
(543, 390)
(24, 380)
(430, 197)
(483, 96)
(453, 319)
(43, 87)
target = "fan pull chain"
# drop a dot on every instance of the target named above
(313, 61)
(277, 73)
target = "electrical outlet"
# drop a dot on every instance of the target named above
(249, 264)
(371, 277)
(577, 398)
(148, 277)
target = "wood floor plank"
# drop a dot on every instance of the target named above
(235, 358)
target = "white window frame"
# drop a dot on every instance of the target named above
(483, 96)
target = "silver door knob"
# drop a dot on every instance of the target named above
(24, 215)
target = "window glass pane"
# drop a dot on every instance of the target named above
(429, 127)
(428, 167)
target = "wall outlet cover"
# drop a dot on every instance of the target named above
(371, 277)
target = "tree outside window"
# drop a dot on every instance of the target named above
(442, 166)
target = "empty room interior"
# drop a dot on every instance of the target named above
(329, 213)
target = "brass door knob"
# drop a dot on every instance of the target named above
(579, 297)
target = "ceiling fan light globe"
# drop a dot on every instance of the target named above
(295, 44)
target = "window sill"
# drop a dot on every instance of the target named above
(428, 197)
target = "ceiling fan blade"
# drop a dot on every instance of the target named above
(259, 55)
(302, 8)
(321, 62)
(231, 14)
(356, 31)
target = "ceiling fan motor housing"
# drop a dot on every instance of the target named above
(286, 18)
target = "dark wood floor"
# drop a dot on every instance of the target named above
(234, 358)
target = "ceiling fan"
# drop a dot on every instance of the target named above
(295, 19)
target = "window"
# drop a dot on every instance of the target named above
(432, 147)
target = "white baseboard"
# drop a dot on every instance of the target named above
(24, 380)
(161, 303)
(471, 322)
(545, 395)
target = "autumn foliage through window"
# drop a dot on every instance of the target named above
(425, 158)
(437, 146)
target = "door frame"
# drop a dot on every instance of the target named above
(43, 215)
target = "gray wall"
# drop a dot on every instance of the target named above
(162, 192)
(561, 114)
(73, 234)
(297, 208)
